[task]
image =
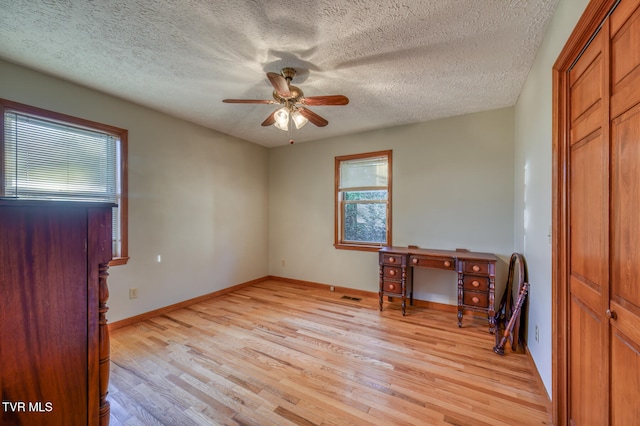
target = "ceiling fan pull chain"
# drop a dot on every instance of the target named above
(290, 130)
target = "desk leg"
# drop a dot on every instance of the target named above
(411, 292)
(380, 293)
(492, 311)
(404, 290)
(460, 294)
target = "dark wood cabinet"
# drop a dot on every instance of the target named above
(395, 277)
(476, 286)
(54, 343)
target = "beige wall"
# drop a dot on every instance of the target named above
(452, 188)
(533, 150)
(198, 198)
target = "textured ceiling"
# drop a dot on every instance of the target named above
(398, 61)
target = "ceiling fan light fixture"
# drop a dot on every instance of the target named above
(298, 119)
(282, 118)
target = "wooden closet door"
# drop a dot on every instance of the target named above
(625, 214)
(588, 238)
(597, 213)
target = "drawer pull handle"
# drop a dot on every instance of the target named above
(475, 283)
(447, 263)
(475, 299)
(392, 272)
(475, 268)
(392, 287)
(392, 259)
(415, 261)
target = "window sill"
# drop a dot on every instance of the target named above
(118, 261)
(358, 247)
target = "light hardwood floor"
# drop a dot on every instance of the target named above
(278, 353)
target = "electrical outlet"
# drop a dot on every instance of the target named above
(133, 293)
(537, 334)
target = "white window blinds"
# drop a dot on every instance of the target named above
(45, 159)
(364, 173)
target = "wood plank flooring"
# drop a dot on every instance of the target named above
(278, 353)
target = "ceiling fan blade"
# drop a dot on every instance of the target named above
(270, 119)
(279, 83)
(325, 100)
(313, 117)
(248, 101)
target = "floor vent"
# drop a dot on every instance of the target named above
(356, 299)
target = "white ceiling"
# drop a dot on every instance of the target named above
(398, 61)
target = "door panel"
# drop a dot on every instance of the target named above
(625, 266)
(589, 212)
(588, 281)
(586, 98)
(625, 61)
(587, 405)
(588, 350)
(625, 354)
(625, 205)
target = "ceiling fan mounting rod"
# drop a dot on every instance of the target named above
(288, 73)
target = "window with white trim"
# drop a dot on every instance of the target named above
(363, 201)
(50, 156)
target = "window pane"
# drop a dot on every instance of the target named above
(365, 222)
(364, 172)
(364, 195)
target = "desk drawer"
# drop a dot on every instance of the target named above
(392, 287)
(432, 262)
(472, 267)
(474, 283)
(480, 300)
(392, 272)
(392, 259)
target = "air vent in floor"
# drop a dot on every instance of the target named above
(355, 299)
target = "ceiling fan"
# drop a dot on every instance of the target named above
(294, 103)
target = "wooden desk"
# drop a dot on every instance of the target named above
(476, 276)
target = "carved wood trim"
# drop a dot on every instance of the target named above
(104, 344)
